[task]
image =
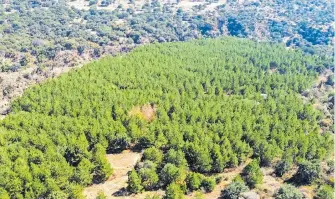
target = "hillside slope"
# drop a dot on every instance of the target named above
(213, 104)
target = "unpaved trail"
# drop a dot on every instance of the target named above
(121, 163)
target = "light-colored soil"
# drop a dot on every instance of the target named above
(270, 183)
(146, 112)
(121, 163)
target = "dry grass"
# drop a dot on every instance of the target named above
(146, 112)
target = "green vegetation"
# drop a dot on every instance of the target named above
(51, 33)
(101, 195)
(174, 191)
(326, 192)
(308, 171)
(282, 167)
(288, 192)
(216, 104)
(253, 174)
(134, 182)
(234, 190)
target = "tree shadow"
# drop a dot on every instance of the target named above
(121, 192)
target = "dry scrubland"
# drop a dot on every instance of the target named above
(184, 4)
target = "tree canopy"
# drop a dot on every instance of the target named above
(216, 103)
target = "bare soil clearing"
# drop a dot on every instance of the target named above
(146, 112)
(121, 163)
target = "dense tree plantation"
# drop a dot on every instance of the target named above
(217, 103)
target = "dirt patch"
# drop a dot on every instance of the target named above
(270, 183)
(146, 112)
(121, 163)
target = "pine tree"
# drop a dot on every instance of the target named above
(134, 182)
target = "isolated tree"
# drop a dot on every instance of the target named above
(134, 182)
(174, 191)
(253, 174)
(102, 168)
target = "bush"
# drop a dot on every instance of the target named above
(153, 154)
(193, 181)
(208, 184)
(308, 171)
(149, 178)
(282, 167)
(170, 173)
(330, 166)
(325, 192)
(134, 182)
(174, 191)
(253, 174)
(234, 190)
(101, 195)
(3, 194)
(288, 192)
(199, 195)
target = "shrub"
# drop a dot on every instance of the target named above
(325, 192)
(308, 171)
(134, 182)
(149, 178)
(199, 195)
(101, 195)
(193, 181)
(170, 173)
(153, 154)
(253, 174)
(331, 166)
(234, 190)
(288, 192)
(208, 184)
(174, 191)
(282, 167)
